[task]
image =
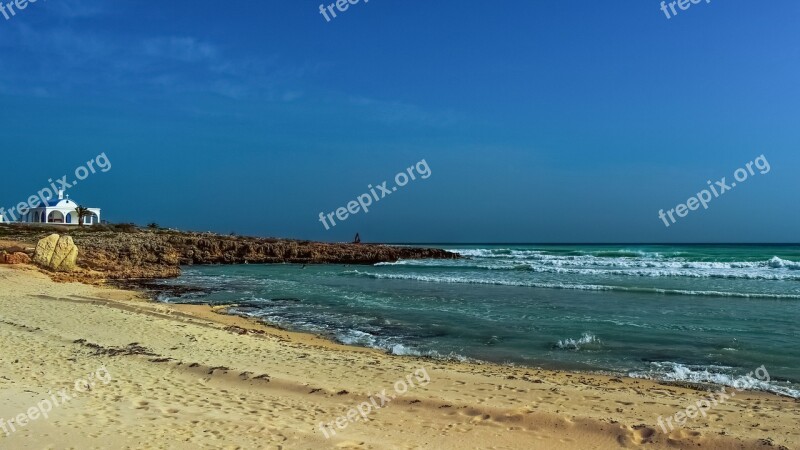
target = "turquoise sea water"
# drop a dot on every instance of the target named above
(694, 313)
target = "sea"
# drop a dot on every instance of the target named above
(684, 313)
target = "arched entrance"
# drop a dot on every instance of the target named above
(55, 217)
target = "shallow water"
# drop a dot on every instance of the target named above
(695, 313)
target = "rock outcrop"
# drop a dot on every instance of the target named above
(160, 255)
(56, 253)
(15, 258)
(126, 252)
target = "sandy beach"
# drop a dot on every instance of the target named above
(390, 225)
(189, 377)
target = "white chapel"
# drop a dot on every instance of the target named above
(62, 211)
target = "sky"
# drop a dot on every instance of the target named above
(539, 121)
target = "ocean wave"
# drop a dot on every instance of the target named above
(775, 269)
(389, 345)
(576, 344)
(356, 337)
(402, 350)
(516, 253)
(494, 253)
(624, 258)
(720, 375)
(779, 263)
(621, 254)
(438, 264)
(583, 287)
(655, 272)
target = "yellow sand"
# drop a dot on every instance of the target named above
(271, 388)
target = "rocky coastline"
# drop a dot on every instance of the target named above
(126, 252)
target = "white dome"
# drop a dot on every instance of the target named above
(64, 203)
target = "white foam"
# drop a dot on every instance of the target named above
(649, 265)
(776, 262)
(721, 375)
(582, 287)
(356, 337)
(575, 344)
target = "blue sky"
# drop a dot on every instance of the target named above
(540, 121)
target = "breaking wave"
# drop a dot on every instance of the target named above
(757, 380)
(652, 265)
(547, 285)
(576, 344)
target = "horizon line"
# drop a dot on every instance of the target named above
(586, 243)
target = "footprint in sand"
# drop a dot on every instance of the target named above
(642, 435)
(481, 418)
(688, 434)
(141, 404)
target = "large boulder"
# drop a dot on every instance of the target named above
(45, 249)
(57, 253)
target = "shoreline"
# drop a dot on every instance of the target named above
(176, 292)
(559, 409)
(218, 313)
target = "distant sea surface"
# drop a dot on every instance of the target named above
(689, 313)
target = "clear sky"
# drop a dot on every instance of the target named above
(540, 121)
